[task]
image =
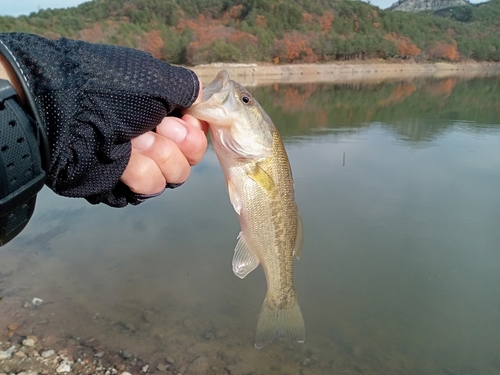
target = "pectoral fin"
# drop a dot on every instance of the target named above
(234, 197)
(244, 261)
(260, 176)
(299, 239)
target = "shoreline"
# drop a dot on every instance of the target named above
(256, 74)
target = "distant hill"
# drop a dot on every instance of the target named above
(426, 5)
(194, 32)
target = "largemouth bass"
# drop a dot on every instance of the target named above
(260, 186)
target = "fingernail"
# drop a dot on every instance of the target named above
(175, 131)
(143, 142)
(173, 186)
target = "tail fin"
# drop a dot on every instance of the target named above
(278, 323)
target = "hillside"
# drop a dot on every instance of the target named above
(426, 5)
(275, 31)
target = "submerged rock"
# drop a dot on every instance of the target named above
(199, 366)
(48, 353)
(37, 301)
(28, 342)
(6, 354)
(13, 326)
(63, 367)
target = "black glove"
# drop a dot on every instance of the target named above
(92, 99)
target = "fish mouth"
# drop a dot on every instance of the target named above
(215, 101)
(218, 89)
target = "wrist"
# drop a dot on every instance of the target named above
(7, 73)
(10, 70)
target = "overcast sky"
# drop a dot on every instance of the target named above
(19, 7)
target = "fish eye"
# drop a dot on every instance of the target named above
(245, 98)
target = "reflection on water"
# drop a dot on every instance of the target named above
(398, 186)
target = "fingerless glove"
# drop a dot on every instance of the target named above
(92, 99)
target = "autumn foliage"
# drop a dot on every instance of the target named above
(444, 51)
(293, 47)
(406, 48)
(153, 43)
(326, 20)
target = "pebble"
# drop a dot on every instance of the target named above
(145, 368)
(48, 353)
(123, 373)
(28, 342)
(99, 355)
(126, 355)
(127, 325)
(170, 360)
(63, 367)
(199, 366)
(28, 373)
(37, 301)
(13, 326)
(162, 368)
(7, 353)
(34, 338)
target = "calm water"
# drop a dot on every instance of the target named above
(398, 184)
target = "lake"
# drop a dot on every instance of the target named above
(398, 184)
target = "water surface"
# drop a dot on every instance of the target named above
(398, 184)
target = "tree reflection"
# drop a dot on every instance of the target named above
(415, 108)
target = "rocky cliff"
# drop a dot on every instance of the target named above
(429, 5)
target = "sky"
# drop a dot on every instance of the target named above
(25, 7)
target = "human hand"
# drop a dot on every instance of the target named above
(165, 158)
(91, 101)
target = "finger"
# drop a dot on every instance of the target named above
(189, 136)
(172, 164)
(197, 123)
(167, 155)
(142, 175)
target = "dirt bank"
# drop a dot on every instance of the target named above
(253, 74)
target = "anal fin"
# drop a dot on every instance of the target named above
(244, 261)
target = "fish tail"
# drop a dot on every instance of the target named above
(278, 322)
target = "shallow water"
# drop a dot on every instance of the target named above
(398, 184)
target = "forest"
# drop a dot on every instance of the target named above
(193, 32)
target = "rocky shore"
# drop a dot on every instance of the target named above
(253, 74)
(25, 354)
(33, 356)
(30, 345)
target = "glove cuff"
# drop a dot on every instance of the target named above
(38, 124)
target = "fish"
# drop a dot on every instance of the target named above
(261, 190)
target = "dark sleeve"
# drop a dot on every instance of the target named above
(92, 99)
